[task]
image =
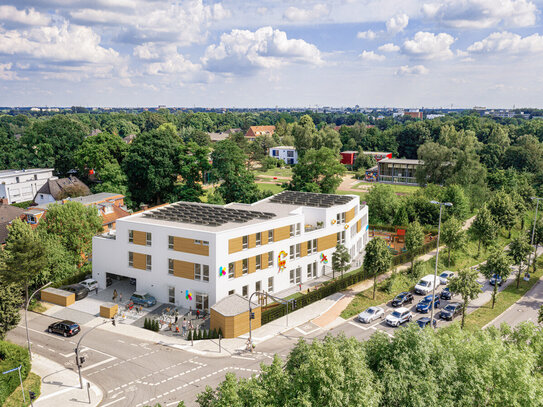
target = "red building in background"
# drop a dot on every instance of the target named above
(348, 157)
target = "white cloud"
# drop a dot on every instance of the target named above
(6, 73)
(479, 14)
(367, 35)
(26, 17)
(146, 51)
(412, 70)
(389, 47)
(507, 42)
(243, 50)
(173, 64)
(372, 56)
(428, 45)
(397, 24)
(303, 14)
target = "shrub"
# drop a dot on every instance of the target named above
(11, 356)
(396, 283)
(220, 333)
(157, 326)
(214, 334)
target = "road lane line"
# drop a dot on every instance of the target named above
(365, 328)
(99, 363)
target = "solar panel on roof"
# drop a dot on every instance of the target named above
(309, 199)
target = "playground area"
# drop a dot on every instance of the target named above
(396, 239)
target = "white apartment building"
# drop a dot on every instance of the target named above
(286, 153)
(22, 185)
(193, 255)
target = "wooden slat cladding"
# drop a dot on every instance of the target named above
(358, 225)
(139, 237)
(235, 245)
(238, 269)
(264, 235)
(264, 261)
(234, 326)
(282, 233)
(139, 261)
(326, 242)
(252, 241)
(184, 245)
(303, 249)
(349, 215)
(183, 269)
(252, 264)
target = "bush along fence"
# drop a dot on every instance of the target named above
(12, 356)
(334, 286)
(198, 334)
(151, 324)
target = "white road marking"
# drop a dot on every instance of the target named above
(41, 398)
(242, 357)
(99, 363)
(365, 328)
(114, 401)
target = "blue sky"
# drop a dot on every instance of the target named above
(233, 53)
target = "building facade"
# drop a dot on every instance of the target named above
(398, 171)
(22, 185)
(255, 131)
(286, 153)
(193, 255)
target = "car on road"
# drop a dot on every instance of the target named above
(141, 298)
(496, 278)
(425, 304)
(402, 298)
(444, 277)
(445, 294)
(425, 321)
(371, 314)
(426, 284)
(90, 284)
(65, 328)
(451, 310)
(79, 290)
(398, 317)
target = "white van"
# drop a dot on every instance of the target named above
(426, 284)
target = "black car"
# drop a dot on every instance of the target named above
(402, 299)
(450, 311)
(425, 321)
(445, 294)
(79, 290)
(66, 328)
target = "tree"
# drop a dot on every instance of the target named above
(75, 225)
(97, 151)
(436, 167)
(304, 132)
(455, 195)
(498, 265)
(364, 161)
(414, 239)
(503, 210)
(193, 164)
(453, 236)
(327, 137)
(483, 229)
(400, 217)
(377, 260)
(10, 304)
(112, 179)
(317, 171)
(538, 239)
(24, 257)
(341, 259)
(383, 197)
(465, 284)
(519, 249)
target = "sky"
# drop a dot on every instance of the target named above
(267, 53)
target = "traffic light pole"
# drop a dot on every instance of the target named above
(251, 314)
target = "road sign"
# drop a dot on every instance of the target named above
(12, 370)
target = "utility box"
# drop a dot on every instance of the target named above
(231, 315)
(108, 310)
(57, 296)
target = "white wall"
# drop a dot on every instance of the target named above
(28, 184)
(283, 154)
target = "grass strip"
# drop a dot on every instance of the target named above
(31, 383)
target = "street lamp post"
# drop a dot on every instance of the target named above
(533, 232)
(441, 204)
(26, 318)
(280, 300)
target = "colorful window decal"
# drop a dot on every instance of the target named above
(222, 271)
(334, 221)
(282, 260)
(188, 295)
(346, 227)
(324, 258)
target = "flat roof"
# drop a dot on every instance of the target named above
(9, 173)
(310, 199)
(400, 161)
(285, 147)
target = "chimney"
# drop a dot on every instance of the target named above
(4, 201)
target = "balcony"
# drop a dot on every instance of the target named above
(316, 226)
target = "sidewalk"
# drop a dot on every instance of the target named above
(60, 386)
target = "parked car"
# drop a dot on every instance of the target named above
(66, 328)
(402, 299)
(495, 278)
(445, 294)
(444, 277)
(90, 284)
(450, 311)
(140, 298)
(398, 317)
(425, 304)
(426, 284)
(79, 290)
(425, 321)
(371, 314)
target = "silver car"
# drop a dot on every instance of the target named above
(371, 314)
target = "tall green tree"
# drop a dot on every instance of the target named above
(193, 164)
(538, 239)
(97, 151)
(465, 284)
(383, 197)
(503, 210)
(453, 236)
(341, 259)
(11, 300)
(303, 133)
(499, 265)
(483, 229)
(519, 249)
(414, 240)
(377, 260)
(317, 171)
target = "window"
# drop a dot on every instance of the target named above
(130, 236)
(17, 179)
(148, 262)
(270, 284)
(291, 276)
(148, 239)
(258, 286)
(292, 230)
(258, 238)
(270, 236)
(231, 292)
(290, 153)
(353, 231)
(197, 272)
(340, 217)
(270, 259)
(296, 276)
(309, 271)
(205, 243)
(202, 302)
(170, 242)
(298, 250)
(245, 268)
(341, 237)
(197, 242)
(298, 229)
(259, 262)
(275, 153)
(295, 251)
(171, 295)
(245, 242)
(312, 246)
(245, 291)
(292, 252)
(130, 259)
(231, 270)
(170, 266)
(205, 274)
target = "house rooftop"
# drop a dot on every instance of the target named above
(233, 305)
(85, 200)
(10, 173)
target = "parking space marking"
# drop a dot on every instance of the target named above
(307, 333)
(365, 328)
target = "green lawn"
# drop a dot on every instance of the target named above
(32, 383)
(270, 187)
(275, 172)
(397, 188)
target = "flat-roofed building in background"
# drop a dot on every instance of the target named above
(349, 157)
(286, 153)
(193, 255)
(22, 185)
(398, 171)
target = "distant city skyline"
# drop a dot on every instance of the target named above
(242, 54)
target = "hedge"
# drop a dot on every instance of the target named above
(204, 334)
(11, 356)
